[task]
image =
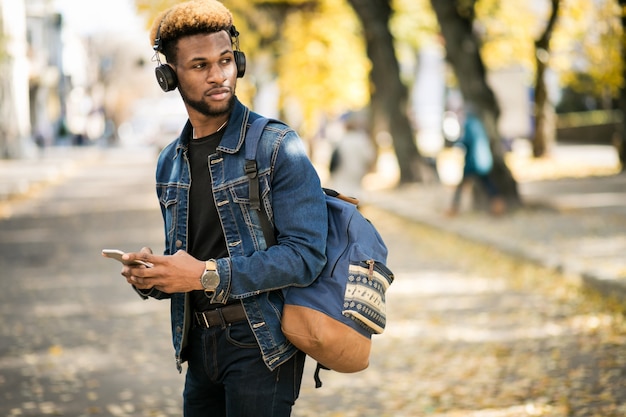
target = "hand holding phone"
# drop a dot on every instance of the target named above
(117, 255)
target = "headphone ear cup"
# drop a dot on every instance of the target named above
(240, 61)
(166, 77)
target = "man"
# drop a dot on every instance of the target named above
(225, 286)
(353, 157)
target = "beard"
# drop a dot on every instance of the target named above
(204, 108)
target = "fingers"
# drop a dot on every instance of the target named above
(139, 282)
(144, 257)
(131, 273)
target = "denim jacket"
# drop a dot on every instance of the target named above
(293, 200)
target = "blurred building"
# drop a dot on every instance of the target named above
(34, 86)
(47, 80)
(48, 85)
(14, 70)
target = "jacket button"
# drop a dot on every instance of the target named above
(179, 243)
(179, 329)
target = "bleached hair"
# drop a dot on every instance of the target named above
(190, 18)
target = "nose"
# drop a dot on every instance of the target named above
(216, 74)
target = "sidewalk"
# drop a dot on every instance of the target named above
(577, 225)
(22, 178)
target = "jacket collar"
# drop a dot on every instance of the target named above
(235, 132)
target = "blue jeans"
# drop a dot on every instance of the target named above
(226, 376)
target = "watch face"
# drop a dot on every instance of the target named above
(210, 280)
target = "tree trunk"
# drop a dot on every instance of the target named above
(389, 94)
(545, 126)
(463, 53)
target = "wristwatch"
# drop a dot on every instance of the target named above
(210, 279)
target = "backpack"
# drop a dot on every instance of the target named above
(333, 319)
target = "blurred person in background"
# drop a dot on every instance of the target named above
(224, 284)
(352, 158)
(478, 162)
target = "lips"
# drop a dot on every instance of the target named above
(218, 93)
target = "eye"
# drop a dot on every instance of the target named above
(199, 65)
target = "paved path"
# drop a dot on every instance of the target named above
(471, 332)
(74, 340)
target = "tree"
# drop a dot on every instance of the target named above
(463, 52)
(586, 47)
(389, 94)
(321, 63)
(545, 127)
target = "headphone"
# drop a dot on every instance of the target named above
(165, 74)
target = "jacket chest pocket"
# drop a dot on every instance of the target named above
(240, 193)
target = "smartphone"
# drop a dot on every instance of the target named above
(117, 254)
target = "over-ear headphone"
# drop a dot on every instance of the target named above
(240, 57)
(165, 74)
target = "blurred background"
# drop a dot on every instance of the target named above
(77, 73)
(495, 317)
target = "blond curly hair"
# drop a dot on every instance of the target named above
(189, 18)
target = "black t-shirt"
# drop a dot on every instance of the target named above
(205, 235)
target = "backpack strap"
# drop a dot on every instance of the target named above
(253, 135)
(316, 376)
(251, 143)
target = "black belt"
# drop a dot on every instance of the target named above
(221, 316)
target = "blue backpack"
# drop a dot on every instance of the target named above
(333, 319)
